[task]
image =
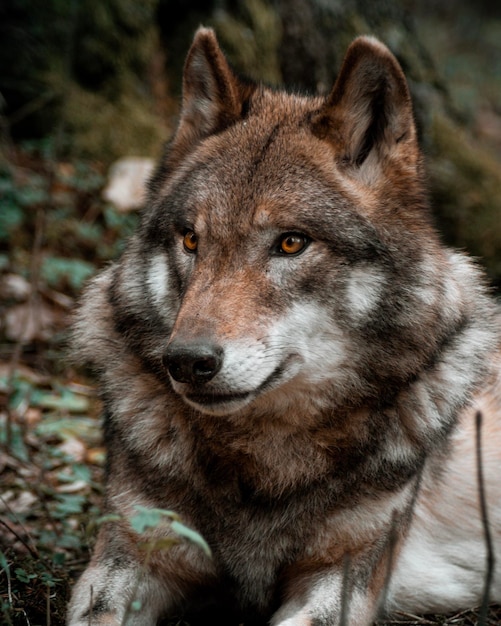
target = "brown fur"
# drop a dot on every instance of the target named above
(301, 412)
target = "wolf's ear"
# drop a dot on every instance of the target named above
(213, 97)
(368, 114)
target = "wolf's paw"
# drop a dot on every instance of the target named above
(110, 596)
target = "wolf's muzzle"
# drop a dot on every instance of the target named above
(193, 363)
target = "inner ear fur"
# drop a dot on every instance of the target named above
(369, 107)
(213, 97)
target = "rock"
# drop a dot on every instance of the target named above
(127, 179)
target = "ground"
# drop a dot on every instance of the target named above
(54, 232)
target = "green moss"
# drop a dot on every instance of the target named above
(251, 40)
(466, 191)
(109, 129)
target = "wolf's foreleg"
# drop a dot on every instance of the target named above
(330, 600)
(344, 578)
(126, 585)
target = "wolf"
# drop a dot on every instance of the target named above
(292, 361)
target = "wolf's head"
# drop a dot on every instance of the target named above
(286, 254)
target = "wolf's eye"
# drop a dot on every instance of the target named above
(292, 243)
(190, 241)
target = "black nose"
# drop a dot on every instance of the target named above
(194, 362)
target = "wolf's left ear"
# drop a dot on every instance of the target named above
(369, 111)
(213, 97)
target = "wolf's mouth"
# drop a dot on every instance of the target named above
(212, 401)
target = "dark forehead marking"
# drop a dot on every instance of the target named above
(261, 151)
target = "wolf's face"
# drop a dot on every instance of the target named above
(253, 270)
(271, 256)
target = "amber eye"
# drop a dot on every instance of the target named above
(293, 243)
(190, 241)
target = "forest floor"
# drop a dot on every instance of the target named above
(56, 231)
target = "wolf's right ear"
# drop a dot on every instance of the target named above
(213, 97)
